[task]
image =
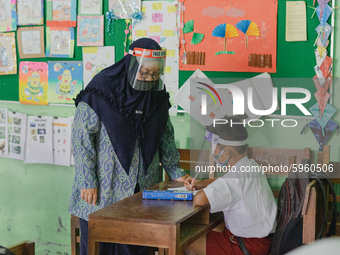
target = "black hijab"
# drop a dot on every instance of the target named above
(128, 114)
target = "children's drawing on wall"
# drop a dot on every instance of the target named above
(31, 42)
(90, 7)
(3, 132)
(8, 15)
(7, 54)
(124, 8)
(61, 11)
(5, 10)
(3, 56)
(90, 31)
(95, 59)
(60, 42)
(65, 80)
(33, 83)
(30, 12)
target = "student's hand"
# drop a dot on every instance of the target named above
(183, 178)
(89, 195)
(189, 184)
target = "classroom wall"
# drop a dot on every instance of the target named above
(34, 198)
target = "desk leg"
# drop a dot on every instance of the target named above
(93, 245)
(174, 248)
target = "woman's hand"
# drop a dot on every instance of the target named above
(89, 195)
(183, 178)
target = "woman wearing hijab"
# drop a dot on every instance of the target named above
(121, 132)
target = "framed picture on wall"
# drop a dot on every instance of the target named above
(61, 13)
(30, 12)
(8, 55)
(31, 42)
(90, 7)
(60, 42)
(8, 15)
(90, 31)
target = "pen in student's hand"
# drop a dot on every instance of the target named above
(194, 179)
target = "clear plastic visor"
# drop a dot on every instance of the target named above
(146, 71)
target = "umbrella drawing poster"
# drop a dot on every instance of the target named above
(239, 36)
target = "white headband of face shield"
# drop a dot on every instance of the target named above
(215, 139)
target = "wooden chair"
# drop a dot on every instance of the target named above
(75, 235)
(323, 158)
(23, 248)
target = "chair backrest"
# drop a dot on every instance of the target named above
(23, 248)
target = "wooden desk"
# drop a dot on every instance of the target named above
(172, 225)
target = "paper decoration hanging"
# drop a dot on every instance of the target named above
(320, 134)
(323, 3)
(33, 83)
(323, 33)
(323, 14)
(326, 116)
(325, 67)
(248, 27)
(65, 81)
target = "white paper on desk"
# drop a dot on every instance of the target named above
(39, 140)
(194, 192)
(3, 132)
(61, 129)
(16, 135)
(296, 28)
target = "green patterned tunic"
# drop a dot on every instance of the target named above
(97, 165)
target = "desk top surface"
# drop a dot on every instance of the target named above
(135, 209)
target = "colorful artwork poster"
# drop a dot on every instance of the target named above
(90, 31)
(31, 42)
(232, 32)
(8, 15)
(30, 12)
(90, 7)
(60, 42)
(65, 81)
(124, 9)
(3, 132)
(33, 83)
(96, 59)
(8, 54)
(61, 13)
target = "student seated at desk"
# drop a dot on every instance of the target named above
(245, 198)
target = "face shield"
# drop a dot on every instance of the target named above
(146, 69)
(214, 156)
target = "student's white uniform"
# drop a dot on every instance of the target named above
(247, 202)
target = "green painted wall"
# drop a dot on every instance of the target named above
(34, 198)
